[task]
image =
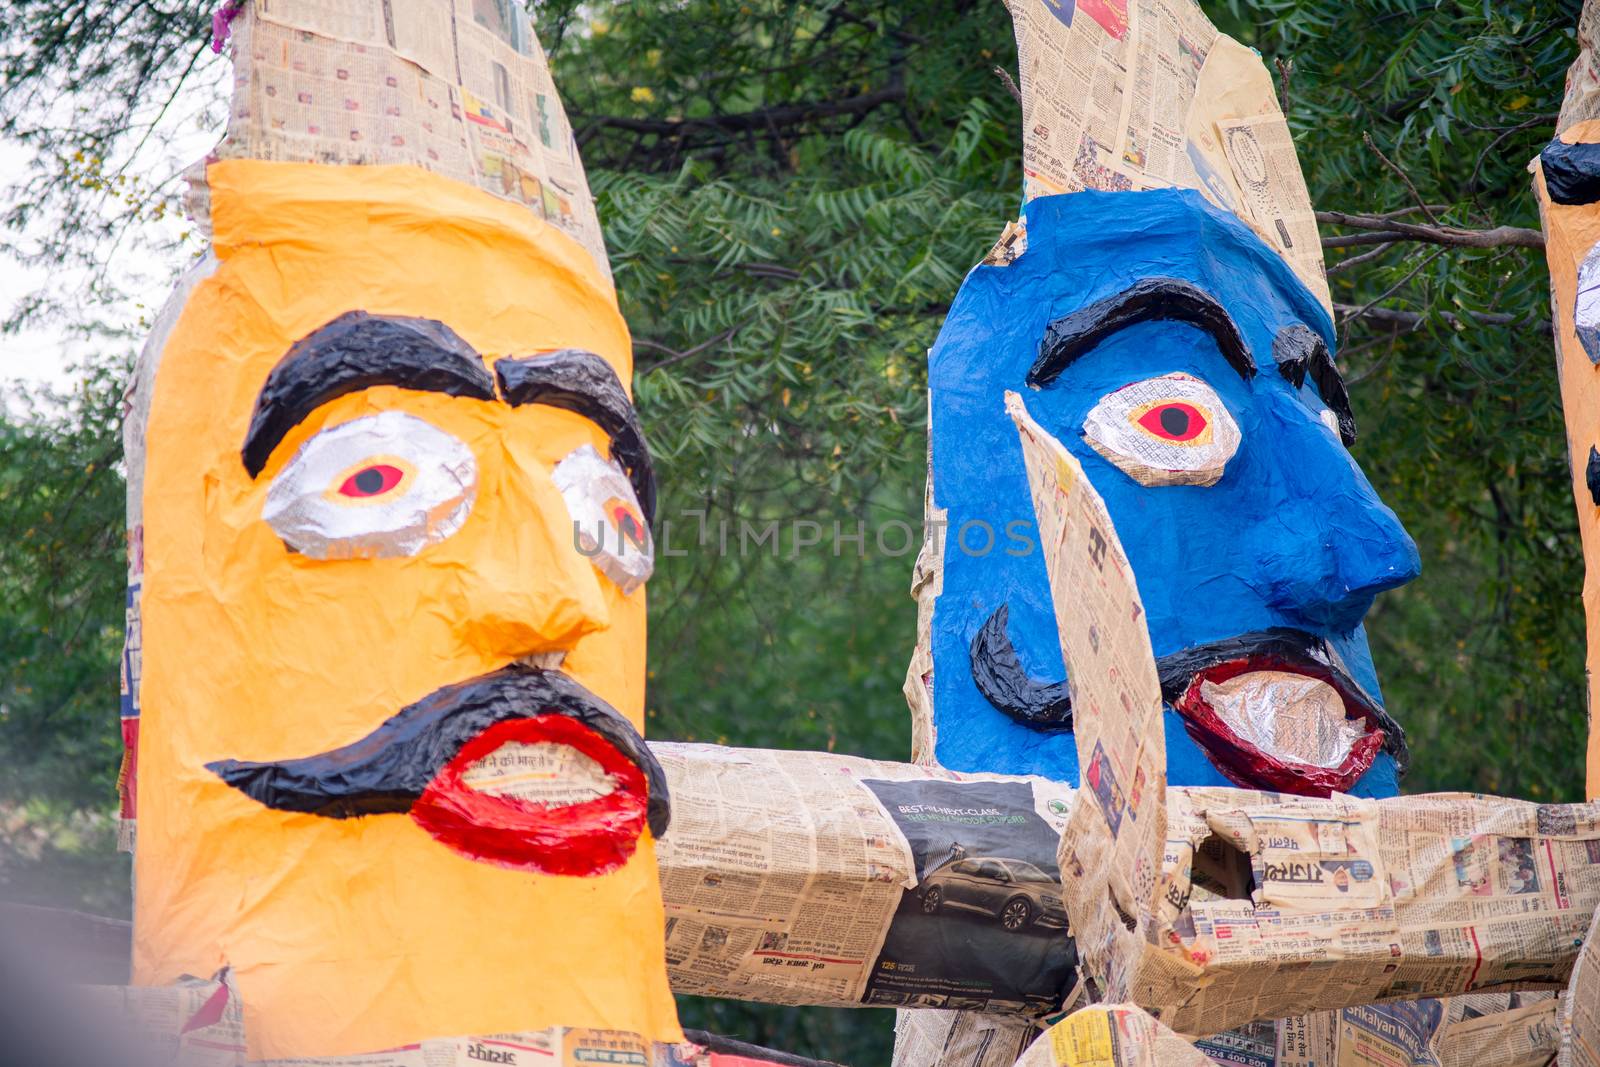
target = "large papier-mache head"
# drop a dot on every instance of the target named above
(1162, 309)
(391, 502)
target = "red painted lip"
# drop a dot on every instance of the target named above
(588, 838)
(1245, 764)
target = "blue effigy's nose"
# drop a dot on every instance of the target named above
(1331, 547)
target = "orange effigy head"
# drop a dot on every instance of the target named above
(396, 505)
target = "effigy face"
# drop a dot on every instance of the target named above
(1190, 372)
(395, 504)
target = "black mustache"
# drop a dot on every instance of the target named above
(387, 771)
(1047, 706)
(1000, 678)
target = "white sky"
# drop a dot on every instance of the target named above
(45, 354)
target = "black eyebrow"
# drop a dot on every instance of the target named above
(1571, 172)
(1148, 300)
(1300, 350)
(581, 382)
(358, 351)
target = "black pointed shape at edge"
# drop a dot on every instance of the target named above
(387, 771)
(1591, 475)
(999, 676)
(1571, 172)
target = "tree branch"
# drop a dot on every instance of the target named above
(903, 36)
(1412, 319)
(1351, 262)
(1403, 176)
(730, 1046)
(1412, 273)
(1384, 229)
(674, 356)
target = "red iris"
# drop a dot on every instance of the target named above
(627, 525)
(626, 520)
(372, 481)
(1174, 421)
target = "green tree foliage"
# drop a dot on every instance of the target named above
(61, 573)
(62, 566)
(792, 192)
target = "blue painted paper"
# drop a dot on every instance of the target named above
(1292, 535)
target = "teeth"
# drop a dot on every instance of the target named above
(1288, 715)
(544, 661)
(541, 772)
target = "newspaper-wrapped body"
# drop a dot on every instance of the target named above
(1284, 905)
(810, 878)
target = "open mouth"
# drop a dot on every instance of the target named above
(523, 768)
(545, 794)
(1275, 710)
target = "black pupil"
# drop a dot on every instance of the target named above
(1175, 421)
(371, 479)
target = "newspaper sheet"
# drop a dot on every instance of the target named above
(1266, 171)
(1580, 1009)
(1140, 94)
(1117, 826)
(927, 1036)
(1581, 100)
(1111, 1035)
(1403, 1034)
(458, 87)
(1523, 1036)
(1499, 1029)
(811, 878)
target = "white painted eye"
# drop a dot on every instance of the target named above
(375, 487)
(607, 524)
(1586, 310)
(1171, 430)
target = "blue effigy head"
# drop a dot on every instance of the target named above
(1190, 371)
